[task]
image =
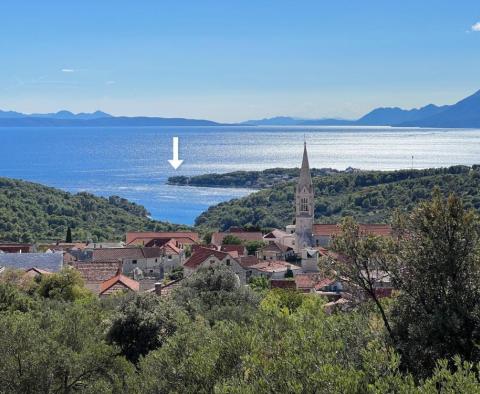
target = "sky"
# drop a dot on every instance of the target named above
(235, 60)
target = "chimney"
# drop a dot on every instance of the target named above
(158, 288)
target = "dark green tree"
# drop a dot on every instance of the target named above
(142, 324)
(437, 314)
(66, 285)
(68, 238)
(216, 293)
(231, 239)
(253, 246)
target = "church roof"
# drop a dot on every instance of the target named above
(305, 177)
(370, 229)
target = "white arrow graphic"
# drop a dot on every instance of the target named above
(175, 163)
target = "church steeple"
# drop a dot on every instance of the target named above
(304, 206)
(305, 179)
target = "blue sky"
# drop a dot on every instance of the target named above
(236, 60)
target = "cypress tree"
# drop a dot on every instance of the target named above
(68, 238)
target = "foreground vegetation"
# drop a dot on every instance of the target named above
(368, 196)
(32, 212)
(214, 335)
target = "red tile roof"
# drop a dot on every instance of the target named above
(122, 279)
(274, 266)
(109, 254)
(37, 271)
(202, 254)
(276, 247)
(187, 235)
(333, 229)
(283, 284)
(308, 281)
(248, 261)
(275, 233)
(170, 247)
(210, 246)
(16, 248)
(240, 249)
(97, 271)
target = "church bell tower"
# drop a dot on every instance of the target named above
(304, 206)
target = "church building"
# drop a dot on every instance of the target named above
(309, 237)
(304, 206)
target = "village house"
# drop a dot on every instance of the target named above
(283, 238)
(273, 269)
(234, 250)
(118, 283)
(95, 273)
(14, 247)
(141, 261)
(204, 257)
(181, 239)
(275, 251)
(317, 283)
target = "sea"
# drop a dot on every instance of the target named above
(132, 162)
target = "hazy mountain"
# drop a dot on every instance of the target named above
(57, 115)
(102, 122)
(11, 115)
(276, 121)
(465, 113)
(70, 115)
(393, 116)
(289, 121)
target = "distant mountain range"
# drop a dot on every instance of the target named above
(98, 118)
(464, 114)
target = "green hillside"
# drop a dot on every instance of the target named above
(33, 212)
(369, 196)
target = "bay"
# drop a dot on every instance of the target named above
(132, 161)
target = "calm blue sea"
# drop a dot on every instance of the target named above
(132, 162)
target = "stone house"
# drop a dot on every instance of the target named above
(150, 262)
(204, 257)
(273, 269)
(275, 251)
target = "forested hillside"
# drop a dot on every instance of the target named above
(247, 179)
(369, 196)
(33, 212)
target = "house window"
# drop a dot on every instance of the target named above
(155, 260)
(169, 256)
(212, 261)
(151, 271)
(304, 204)
(134, 261)
(228, 261)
